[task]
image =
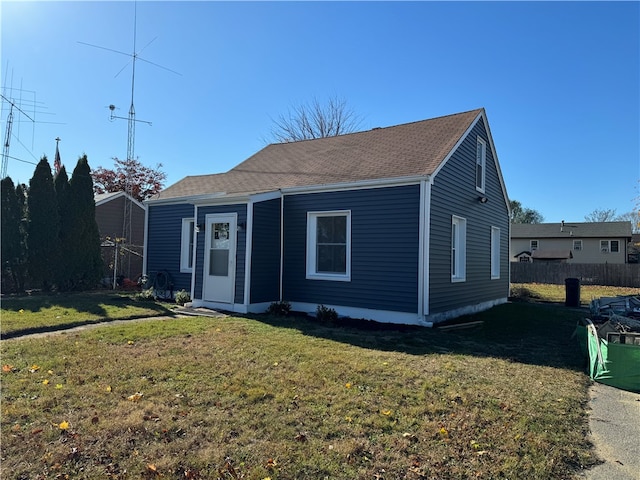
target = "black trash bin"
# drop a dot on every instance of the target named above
(572, 292)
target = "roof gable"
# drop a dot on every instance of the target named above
(411, 149)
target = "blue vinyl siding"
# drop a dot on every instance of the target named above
(265, 255)
(384, 249)
(163, 242)
(454, 193)
(241, 248)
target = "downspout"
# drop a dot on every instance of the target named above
(145, 240)
(195, 251)
(248, 249)
(281, 244)
(426, 232)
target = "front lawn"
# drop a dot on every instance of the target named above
(35, 313)
(292, 398)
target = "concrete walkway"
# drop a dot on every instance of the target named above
(614, 421)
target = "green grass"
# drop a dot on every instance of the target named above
(29, 314)
(556, 293)
(291, 398)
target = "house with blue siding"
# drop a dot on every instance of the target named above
(404, 224)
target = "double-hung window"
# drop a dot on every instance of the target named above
(607, 246)
(329, 245)
(186, 245)
(481, 160)
(458, 249)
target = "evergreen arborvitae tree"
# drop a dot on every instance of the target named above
(13, 252)
(64, 280)
(43, 226)
(84, 236)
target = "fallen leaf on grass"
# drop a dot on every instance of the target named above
(34, 368)
(444, 432)
(45, 381)
(135, 397)
(63, 425)
(7, 368)
(386, 413)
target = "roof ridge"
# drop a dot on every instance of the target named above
(478, 110)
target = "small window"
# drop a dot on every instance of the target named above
(604, 246)
(533, 245)
(577, 245)
(614, 246)
(186, 245)
(458, 249)
(495, 252)
(481, 156)
(329, 245)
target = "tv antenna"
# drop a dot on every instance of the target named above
(131, 133)
(21, 105)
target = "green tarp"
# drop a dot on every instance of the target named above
(613, 364)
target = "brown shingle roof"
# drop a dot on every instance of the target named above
(571, 229)
(410, 149)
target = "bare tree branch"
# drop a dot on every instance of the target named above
(315, 120)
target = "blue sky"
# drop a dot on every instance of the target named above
(560, 82)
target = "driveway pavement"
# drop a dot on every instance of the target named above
(614, 420)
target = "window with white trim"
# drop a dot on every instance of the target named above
(458, 249)
(533, 245)
(329, 245)
(186, 245)
(481, 159)
(607, 246)
(495, 252)
(577, 245)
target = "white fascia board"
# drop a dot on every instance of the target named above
(263, 197)
(359, 185)
(218, 198)
(459, 142)
(118, 195)
(186, 199)
(496, 162)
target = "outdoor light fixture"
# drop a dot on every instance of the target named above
(200, 227)
(483, 199)
(242, 226)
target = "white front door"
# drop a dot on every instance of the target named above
(220, 258)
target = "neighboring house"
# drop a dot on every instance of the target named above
(110, 216)
(404, 224)
(587, 242)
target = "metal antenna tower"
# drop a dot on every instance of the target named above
(13, 104)
(21, 106)
(127, 244)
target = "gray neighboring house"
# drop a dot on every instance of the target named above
(404, 224)
(110, 220)
(571, 242)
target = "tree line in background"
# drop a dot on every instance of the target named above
(50, 238)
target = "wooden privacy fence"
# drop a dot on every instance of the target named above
(615, 275)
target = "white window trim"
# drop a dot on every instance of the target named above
(312, 274)
(577, 245)
(495, 253)
(531, 245)
(188, 226)
(607, 249)
(483, 163)
(458, 249)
